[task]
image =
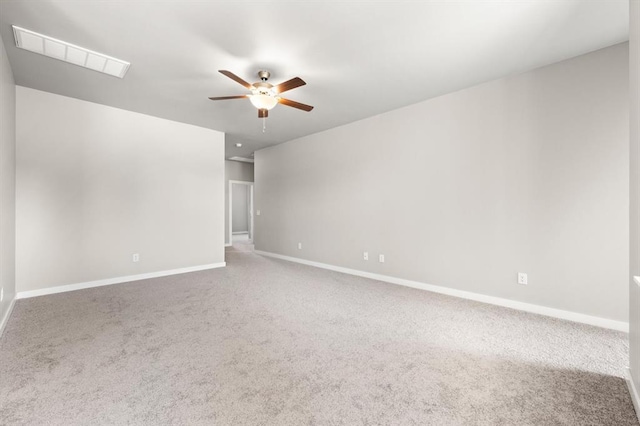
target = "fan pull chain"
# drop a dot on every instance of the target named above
(264, 124)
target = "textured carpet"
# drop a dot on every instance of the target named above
(267, 342)
(243, 246)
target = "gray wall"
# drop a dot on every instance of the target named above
(524, 174)
(7, 181)
(96, 184)
(234, 170)
(240, 208)
(634, 290)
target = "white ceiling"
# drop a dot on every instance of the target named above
(359, 58)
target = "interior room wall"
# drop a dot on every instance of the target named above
(527, 173)
(234, 170)
(96, 184)
(7, 184)
(240, 208)
(634, 235)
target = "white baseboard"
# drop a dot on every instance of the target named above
(117, 280)
(634, 393)
(5, 318)
(521, 306)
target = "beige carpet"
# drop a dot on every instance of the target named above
(240, 246)
(267, 342)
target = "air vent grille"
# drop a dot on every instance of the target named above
(67, 52)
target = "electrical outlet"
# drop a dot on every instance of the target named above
(366, 255)
(299, 246)
(522, 278)
(136, 257)
(257, 212)
(381, 258)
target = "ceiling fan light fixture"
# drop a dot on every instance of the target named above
(262, 101)
(264, 95)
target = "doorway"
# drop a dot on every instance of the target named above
(240, 213)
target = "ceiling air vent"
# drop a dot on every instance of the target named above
(67, 52)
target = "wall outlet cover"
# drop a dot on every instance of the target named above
(522, 278)
(381, 258)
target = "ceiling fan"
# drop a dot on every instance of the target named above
(264, 95)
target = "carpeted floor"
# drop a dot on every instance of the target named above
(267, 342)
(244, 246)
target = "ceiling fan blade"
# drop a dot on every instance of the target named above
(222, 98)
(235, 78)
(263, 113)
(295, 104)
(290, 84)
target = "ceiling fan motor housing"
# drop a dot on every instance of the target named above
(263, 88)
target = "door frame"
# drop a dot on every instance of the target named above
(230, 201)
